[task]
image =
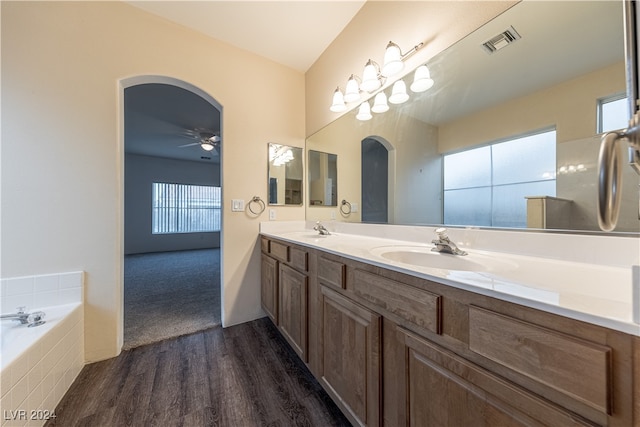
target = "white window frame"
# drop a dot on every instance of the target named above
(600, 110)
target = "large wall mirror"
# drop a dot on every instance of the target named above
(508, 138)
(323, 178)
(285, 175)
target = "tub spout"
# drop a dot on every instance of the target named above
(31, 319)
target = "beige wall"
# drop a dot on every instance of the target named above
(570, 106)
(62, 145)
(415, 174)
(438, 24)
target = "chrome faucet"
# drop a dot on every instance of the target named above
(31, 319)
(321, 230)
(443, 244)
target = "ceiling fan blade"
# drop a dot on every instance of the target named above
(188, 145)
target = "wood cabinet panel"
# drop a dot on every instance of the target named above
(443, 389)
(576, 367)
(264, 245)
(299, 259)
(292, 309)
(269, 287)
(417, 306)
(279, 251)
(331, 272)
(351, 357)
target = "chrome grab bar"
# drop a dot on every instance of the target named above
(610, 172)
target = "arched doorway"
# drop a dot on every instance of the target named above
(376, 168)
(172, 209)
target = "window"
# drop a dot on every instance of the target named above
(613, 113)
(487, 186)
(184, 208)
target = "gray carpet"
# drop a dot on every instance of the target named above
(169, 294)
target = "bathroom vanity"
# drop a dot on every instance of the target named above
(398, 347)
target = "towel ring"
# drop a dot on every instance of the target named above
(610, 165)
(257, 200)
(345, 207)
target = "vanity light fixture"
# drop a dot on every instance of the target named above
(364, 112)
(421, 79)
(373, 77)
(399, 93)
(380, 103)
(352, 90)
(280, 154)
(338, 105)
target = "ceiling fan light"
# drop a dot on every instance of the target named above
(364, 112)
(392, 60)
(206, 146)
(338, 105)
(352, 91)
(399, 93)
(380, 103)
(421, 79)
(370, 81)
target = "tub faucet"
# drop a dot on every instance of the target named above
(320, 229)
(443, 244)
(31, 319)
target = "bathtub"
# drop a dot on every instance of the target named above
(38, 364)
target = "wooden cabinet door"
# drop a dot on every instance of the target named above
(292, 309)
(269, 287)
(443, 389)
(351, 357)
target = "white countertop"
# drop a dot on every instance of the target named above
(600, 293)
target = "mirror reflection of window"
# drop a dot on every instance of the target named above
(488, 185)
(613, 113)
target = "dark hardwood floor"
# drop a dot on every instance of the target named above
(245, 375)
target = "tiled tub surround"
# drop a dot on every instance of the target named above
(39, 364)
(587, 277)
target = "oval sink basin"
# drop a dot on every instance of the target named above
(422, 256)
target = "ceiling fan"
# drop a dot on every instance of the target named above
(208, 141)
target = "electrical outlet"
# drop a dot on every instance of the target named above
(354, 207)
(272, 214)
(333, 214)
(237, 205)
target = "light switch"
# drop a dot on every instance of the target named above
(237, 205)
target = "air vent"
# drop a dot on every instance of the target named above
(503, 39)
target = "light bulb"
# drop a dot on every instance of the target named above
(421, 79)
(364, 112)
(399, 93)
(370, 80)
(338, 105)
(352, 91)
(392, 60)
(380, 103)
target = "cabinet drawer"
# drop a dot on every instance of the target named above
(264, 245)
(572, 366)
(331, 272)
(279, 250)
(417, 306)
(440, 388)
(298, 259)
